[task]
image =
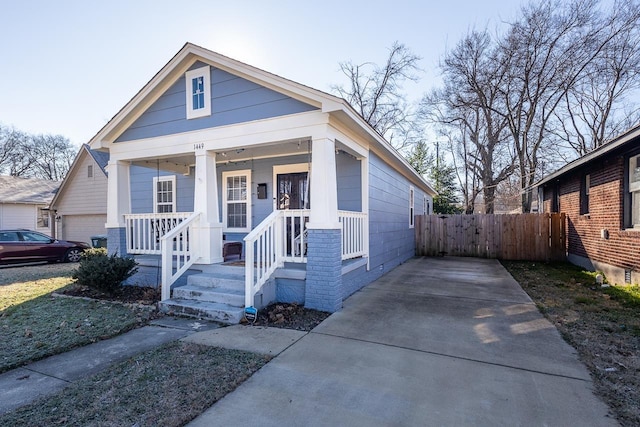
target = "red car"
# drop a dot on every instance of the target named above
(20, 246)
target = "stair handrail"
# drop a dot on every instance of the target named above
(183, 246)
(263, 254)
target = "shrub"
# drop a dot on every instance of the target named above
(104, 272)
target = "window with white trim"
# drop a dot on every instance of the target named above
(198, 89)
(164, 194)
(634, 189)
(43, 217)
(411, 206)
(236, 206)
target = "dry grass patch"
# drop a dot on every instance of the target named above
(34, 325)
(603, 324)
(168, 386)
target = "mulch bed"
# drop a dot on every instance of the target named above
(126, 294)
(278, 315)
(290, 316)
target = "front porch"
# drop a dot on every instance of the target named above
(274, 267)
(292, 188)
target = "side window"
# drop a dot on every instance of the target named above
(585, 183)
(634, 190)
(34, 237)
(236, 207)
(43, 217)
(198, 89)
(164, 194)
(411, 206)
(8, 236)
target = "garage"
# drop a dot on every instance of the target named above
(81, 227)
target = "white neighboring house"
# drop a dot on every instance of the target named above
(80, 205)
(24, 203)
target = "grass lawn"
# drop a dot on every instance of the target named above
(34, 325)
(603, 324)
(168, 386)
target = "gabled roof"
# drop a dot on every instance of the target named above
(99, 157)
(190, 53)
(618, 143)
(15, 189)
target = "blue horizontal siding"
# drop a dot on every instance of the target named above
(233, 100)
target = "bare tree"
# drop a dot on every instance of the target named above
(13, 147)
(35, 156)
(548, 52)
(52, 156)
(375, 92)
(597, 107)
(468, 105)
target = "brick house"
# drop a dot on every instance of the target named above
(600, 195)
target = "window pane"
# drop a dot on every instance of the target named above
(635, 208)
(237, 215)
(197, 91)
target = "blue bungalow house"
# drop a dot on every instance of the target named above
(214, 156)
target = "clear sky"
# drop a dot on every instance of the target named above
(67, 66)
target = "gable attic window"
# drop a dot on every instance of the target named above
(585, 183)
(198, 89)
(89, 171)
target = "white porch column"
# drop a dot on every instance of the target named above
(118, 193)
(323, 285)
(118, 204)
(205, 200)
(324, 186)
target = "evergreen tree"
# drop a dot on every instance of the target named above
(443, 176)
(420, 158)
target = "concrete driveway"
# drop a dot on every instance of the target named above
(437, 341)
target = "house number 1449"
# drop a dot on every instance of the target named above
(198, 146)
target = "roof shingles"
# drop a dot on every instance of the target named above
(27, 190)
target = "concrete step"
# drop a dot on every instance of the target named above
(231, 296)
(228, 281)
(216, 312)
(234, 270)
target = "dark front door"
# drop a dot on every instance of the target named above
(293, 191)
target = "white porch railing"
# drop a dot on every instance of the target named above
(144, 231)
(263, 254)
(178, 248)
(282, 237)
(355, 234)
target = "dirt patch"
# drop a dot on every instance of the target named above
(279, 315)
(290, 316)
(601, 323)
(126, 294)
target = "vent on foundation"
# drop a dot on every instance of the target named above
(627, 277)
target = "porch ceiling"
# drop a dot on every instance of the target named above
(181, 163)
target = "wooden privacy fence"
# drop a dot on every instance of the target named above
(531, 237)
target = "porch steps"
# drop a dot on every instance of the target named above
(217, 294)
(222, 313)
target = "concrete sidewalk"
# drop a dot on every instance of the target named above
(445, 341)
(24, 385)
